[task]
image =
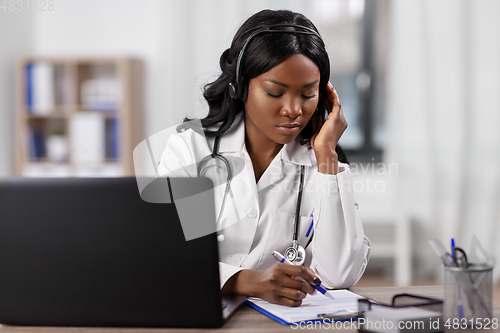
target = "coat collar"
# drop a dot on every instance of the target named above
(233, 141)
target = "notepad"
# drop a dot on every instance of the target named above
(345, 302)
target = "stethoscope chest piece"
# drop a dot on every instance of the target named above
(296, 254)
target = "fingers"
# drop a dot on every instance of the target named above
(330, 97)
(288, 301)
(293, 294)
(286, 284)
(337, 112)
(299, 277)
(316, 279)
(335, 95)
(298, 284)
(333, 99)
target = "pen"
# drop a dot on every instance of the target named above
(310, 226)
(440, 250)
(452, 248)
(319, 288)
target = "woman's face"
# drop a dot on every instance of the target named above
(282, 100)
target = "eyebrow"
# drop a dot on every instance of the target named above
(287, 86)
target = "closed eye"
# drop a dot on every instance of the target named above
(274, 96)
(309, 97)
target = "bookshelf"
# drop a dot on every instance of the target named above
(78, 117)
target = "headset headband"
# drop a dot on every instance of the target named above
(235, 90)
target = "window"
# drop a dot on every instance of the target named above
(355, 33)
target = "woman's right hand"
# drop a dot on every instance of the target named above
(278, 284)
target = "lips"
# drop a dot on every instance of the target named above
(289, 125)
(289, 128)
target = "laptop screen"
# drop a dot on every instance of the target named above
(91, 252)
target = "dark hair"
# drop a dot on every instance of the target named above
(264, 52)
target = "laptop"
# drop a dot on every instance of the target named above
(91, 252)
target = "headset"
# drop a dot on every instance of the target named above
(236, 89)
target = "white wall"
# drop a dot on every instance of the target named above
(16, 39)
(109, 28)
(443, 114)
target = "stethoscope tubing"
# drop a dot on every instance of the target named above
(297, 208)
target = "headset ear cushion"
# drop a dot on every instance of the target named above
(232, 91)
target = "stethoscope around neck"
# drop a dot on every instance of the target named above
(294, 253)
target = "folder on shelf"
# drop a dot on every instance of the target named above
(87, 137)
(29, 87)
(313, 308)
(36, 144)
(40, 88)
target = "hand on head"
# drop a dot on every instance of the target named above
(328, 135)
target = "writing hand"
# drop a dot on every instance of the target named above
(277, 284)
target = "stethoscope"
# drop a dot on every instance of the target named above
(294, 253)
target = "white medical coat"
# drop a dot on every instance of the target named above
(339, 250)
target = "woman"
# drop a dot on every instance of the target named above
(267, 109)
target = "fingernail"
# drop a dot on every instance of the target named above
(317, 281)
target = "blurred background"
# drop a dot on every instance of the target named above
(83, 82)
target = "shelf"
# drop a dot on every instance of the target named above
(53, 169)
(54, 115)
(57, 102)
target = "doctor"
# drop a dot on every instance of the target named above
(267, 109)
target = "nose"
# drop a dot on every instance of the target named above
(292, 108)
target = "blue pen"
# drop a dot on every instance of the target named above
(452, 247)
(320, 288)
(310, 226)
(460, 307)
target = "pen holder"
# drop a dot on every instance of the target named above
(468, 294)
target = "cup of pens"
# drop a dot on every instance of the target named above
(468, 294)
(468, 285)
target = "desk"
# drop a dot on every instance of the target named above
(249, 320)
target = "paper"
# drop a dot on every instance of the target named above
(345, 302)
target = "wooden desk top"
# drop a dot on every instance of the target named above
(249, 320)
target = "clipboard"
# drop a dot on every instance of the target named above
(315, 307)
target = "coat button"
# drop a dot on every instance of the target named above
(221, 238)
(236, 259)
(252, 214)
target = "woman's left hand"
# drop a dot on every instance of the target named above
(325, 140)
